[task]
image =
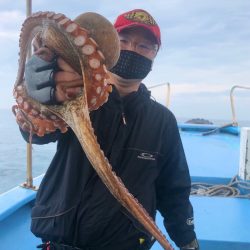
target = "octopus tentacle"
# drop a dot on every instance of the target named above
(74, 43)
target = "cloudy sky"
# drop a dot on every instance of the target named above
(205, 50)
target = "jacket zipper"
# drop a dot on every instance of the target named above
(124, 119)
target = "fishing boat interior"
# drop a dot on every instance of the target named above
(218, 158)
(219, 162)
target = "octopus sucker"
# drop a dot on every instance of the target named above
(58, 16)
(94, 63)
(98, 77)
(53, 117)
(87, 61)
(49, 15)
(34, 112)
(93, 100)
(19, 88)
(63, 22)
(98, 90)
(88, 49)
(26, 106)
(37, 14)
(80, 40)
(71, 27)
(19, 100)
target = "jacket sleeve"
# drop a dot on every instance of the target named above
(47, 138)
(173, 188)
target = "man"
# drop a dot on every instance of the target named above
(74, 210)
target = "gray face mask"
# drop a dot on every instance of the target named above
(132, 65)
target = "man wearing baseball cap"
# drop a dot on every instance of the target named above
(140, 40)
(141, 140)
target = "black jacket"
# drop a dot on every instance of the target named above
(73, 205)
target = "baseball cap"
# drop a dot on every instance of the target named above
(138, 17)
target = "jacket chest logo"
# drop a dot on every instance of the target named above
(146, 156)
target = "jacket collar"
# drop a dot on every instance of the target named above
(141, 95)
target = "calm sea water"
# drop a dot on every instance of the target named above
(13, 152)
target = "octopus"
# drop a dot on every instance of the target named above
(90, 45)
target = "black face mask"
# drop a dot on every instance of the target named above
(132, 65)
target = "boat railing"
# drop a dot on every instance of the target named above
(168, 91)
(29, 177)
(234, 122)
(234, 119)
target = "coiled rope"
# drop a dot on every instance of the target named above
(235, 188)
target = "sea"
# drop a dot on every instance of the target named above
(13, 152)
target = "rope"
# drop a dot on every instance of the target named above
(235, 188)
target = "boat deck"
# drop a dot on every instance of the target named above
(221, 223)
(218, 167)
(213, 158)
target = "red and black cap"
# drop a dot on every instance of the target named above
(138, 17)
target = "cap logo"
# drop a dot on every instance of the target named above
(140, 17)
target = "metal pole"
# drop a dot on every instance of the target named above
(168, 95)
(28, 7)
(235, 123)
(232, 106)
(168, 91)
(29, 177)
(28, 13)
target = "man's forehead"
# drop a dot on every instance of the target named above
(139, 31)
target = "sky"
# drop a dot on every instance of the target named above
(205, 50)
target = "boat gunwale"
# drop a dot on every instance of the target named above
(16, 198)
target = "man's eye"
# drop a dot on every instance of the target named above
(124, 41)
(143, 46)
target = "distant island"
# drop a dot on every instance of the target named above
(198, 121)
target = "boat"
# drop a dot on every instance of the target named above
(220, 190)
